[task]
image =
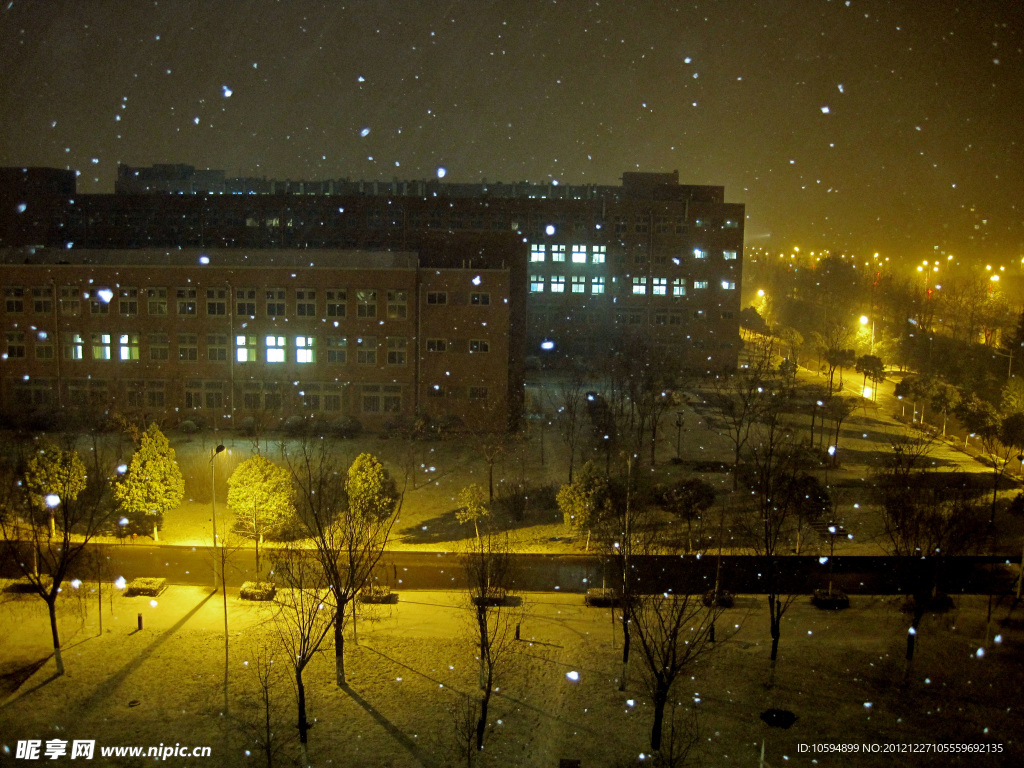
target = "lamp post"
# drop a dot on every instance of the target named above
(213, 506)
(679, 434)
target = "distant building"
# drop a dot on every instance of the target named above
(221, 336)
(598, 266)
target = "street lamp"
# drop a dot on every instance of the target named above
(213, 505)
(679, 434)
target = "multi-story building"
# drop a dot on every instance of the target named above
(221, 336)
(598, 265)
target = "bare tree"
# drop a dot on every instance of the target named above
(260, 714)
(306, 613)
(672, 632)
(488, 564)
(927, 517)
(569, 408)
(348, 518)
(740, 399)
(774, 468)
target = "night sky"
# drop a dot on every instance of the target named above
(860, 126)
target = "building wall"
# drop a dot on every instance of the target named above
(218, 336)
(657, 238)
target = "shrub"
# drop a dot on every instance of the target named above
(376, 593)
(347, 427)
(145, 586)
(835, 600)
(188, 427)
(601, 597)
(726, 599)
(257, 590)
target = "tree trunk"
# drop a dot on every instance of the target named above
(481, 723)
(300, 689)
(51, 605)
(156, 532)
(625, 650)
(660, 699)
(339, 646)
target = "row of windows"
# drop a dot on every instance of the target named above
(540, 252)
(215, 302)
(212, 395)
(578, 253)
(659, 286)
(247, 348)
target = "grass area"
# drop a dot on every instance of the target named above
(841, 674)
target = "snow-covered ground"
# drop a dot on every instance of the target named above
(841, 674)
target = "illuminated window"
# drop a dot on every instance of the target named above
(579, 254)
(537, 251)
(100, 346)
(558, 284)
(639, 286)
(71, 300)
(305, 302)
(679, 287)
(397, 305)
(579, 284)
(275, 302)
(188, 347)
(73, 346)
(437, 345)
(437, 297)
(217, 347)
(478, 393)
(186, 299)
(480, 299)
(128, 346)
(396, 350)
(42, 300)
(275, 348)
(730, 255)
(598, 254)
(558, 253)
(159, 344)
(245, 349)
(15, 345)
(128, 302)
(597, 285)
(366, 350)
(536, 283)
(660, 287)
(337, 349)
(700, 285)
(336, 302)
(728, 285)
(366, 303)
(245, 302)
(479, 345)
(14, 299)
(699, 254)
(305, 349)
(216, 302)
